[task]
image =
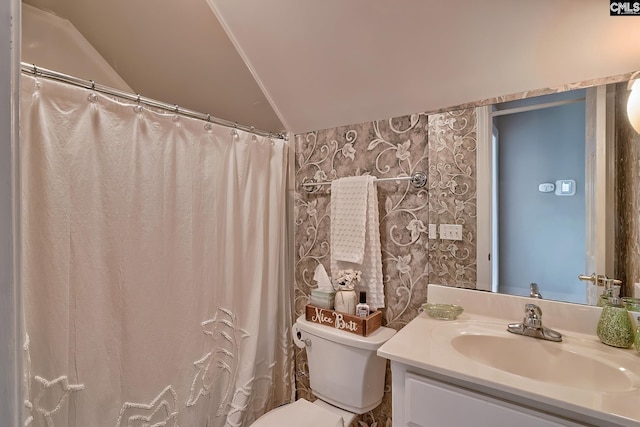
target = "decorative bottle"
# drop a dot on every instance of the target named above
(615, 327)
(362, 309)
(345, 300)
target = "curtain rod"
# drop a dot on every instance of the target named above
(90, 84)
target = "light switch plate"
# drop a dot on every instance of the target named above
(451, 231)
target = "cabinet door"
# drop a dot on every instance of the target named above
(429, 403)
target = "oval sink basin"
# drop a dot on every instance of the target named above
(572, 363)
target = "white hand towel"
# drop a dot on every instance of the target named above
(355, 234)
(349, 218)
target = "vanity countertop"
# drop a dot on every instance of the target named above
(425, 344)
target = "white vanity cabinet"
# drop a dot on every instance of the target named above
(420, 401)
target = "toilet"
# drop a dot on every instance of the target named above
(345, 373)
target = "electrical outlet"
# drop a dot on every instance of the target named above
(451, 231)
(433, 231)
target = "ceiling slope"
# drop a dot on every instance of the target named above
(333, 62)
(51, 42)
(172, 51)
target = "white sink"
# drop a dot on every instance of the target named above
(575, 363)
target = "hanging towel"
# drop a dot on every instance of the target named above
(355, 233)
(349, 218)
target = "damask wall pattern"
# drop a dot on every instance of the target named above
(452, 196)
(442, 146)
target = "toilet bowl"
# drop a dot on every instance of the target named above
(345, 374)
(307, 414)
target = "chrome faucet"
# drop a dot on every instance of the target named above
(534, 292)
(531, 325)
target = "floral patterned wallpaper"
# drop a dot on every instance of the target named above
(390, 148)
(452, 196)
(442, 146)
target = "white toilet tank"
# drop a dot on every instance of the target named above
(344, 369)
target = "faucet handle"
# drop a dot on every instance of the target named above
(532, 316)
(532, 310)
(534, 291)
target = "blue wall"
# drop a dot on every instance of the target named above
(542, 235)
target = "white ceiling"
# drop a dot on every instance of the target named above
(307, 64)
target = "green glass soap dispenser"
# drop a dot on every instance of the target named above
(615, 327)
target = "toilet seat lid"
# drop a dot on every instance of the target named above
(299, 413)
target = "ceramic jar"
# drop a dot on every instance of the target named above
(345, 300)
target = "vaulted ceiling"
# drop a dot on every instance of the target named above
(304, 65)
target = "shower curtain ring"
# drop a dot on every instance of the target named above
(92, 96)
(138, 107)
(254, 137)
(234, 131)
(207, 126)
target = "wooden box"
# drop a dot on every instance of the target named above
(358, 325)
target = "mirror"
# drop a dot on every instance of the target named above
(563, 172)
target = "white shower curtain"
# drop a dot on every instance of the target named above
(153, 266)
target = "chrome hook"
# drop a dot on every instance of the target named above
(92, 96)
(138, 107)
(207, 126)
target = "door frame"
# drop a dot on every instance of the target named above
(484, 197)
(601, 200)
